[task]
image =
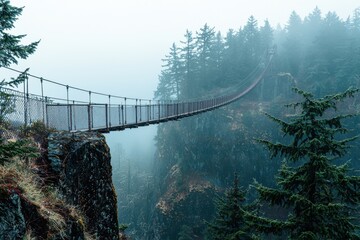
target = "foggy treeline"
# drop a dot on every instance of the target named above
(196, 158)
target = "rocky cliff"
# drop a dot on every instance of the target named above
(67, 193)
(82, 169)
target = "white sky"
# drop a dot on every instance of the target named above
(116, 46)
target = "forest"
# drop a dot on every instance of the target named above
(280, 163)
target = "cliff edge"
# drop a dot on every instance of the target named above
(64, 193)
(81, 166)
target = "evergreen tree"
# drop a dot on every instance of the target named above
(189, 58)
(11, 50)
(293, 45)
(171, 76)
(215, 63)
(349, 70)
(230, 58)
(174, 67)
(312, 25)
(164, 89)
(205, 40)
(231, 222)
(251, 40)
(266, 37)
(10, 45)
(355, 23)
(320, 196)
(314, 69)
(331, 42)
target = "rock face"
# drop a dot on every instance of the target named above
(183, 207)
(81, 167)
(19, 215)
(12, 221)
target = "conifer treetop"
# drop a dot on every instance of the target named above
(320, 196)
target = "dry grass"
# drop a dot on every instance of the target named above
(16, 176)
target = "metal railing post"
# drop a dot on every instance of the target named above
(149, 111)
(106, 116)
(109, 110)
(74, 115)
(47, 115)
(177, 109)
(159, 109)
(167, 108)
(42, 99)
(136, 120)
(25, 106)
(125, 112)
(28, 100)
(89, 117)
(92, 116)
(122, 114)
(140, 110)
(68, 106)
(119, 110)
(70, 117)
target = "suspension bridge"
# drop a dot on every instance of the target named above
(117, 113)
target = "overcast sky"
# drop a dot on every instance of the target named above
(116, 46)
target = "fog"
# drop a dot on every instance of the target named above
(116, 47)
(132, 145)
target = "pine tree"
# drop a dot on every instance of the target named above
(293, 44)
(189, 58)
(11, 50)
(10, 45)
(231, 222)
(266, 37)
(171, 76)
(216, 61)
(205, 41)
(252, 40)
(231, 54)
(314, 69)
(320, 195)
(355, 23)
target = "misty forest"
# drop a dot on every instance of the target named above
(281, 162)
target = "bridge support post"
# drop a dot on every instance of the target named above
(74, 115)
(122, 114)
(109, 112)
(106, 116)
(119, 111)
(89, 116)
(136, 107)
(140, 110)
(149, 111)
(159, 109)
(125, 111)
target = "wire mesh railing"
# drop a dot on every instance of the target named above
(73, 116)
(21, 109)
